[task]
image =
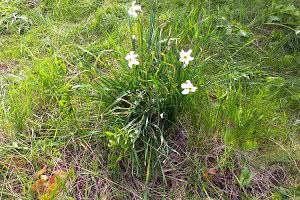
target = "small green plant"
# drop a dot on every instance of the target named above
(35, 91)
(245, 177)
(249, 122)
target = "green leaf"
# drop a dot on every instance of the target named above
(109, 134)
(273, 18)
(245, 177)
(277, 196)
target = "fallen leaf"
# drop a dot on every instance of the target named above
(213, 171)
(209, 173)
(57, 174)
(54, 183)
(46, 187)
(40, 186)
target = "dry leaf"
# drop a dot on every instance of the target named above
(213, 171)
(45, 186)
(53, 181)
(40, 186)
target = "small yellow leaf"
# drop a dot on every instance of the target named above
(41, 172)
(213, 171)
(44, 177)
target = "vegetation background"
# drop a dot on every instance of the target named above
(76, 123)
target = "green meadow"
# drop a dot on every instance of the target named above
(154, 99)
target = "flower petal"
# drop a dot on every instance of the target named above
(182, 59)
(135, 62)
(185, 92)
(130, 64)
(184, 86)
(193, 89)
(132, 13)
(189, 83)
(182, 53)
(137, 8)
(128, 57)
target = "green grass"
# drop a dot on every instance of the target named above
(70, 102)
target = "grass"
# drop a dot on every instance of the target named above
(69, 101)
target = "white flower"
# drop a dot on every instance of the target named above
(185, 57)
(132, 59)
(161, 115)
(188, 87)
(133, 37)
(132, 11)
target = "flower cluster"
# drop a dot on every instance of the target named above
(185, 57)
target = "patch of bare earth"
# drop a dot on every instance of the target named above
(222, 181)
(5, 67)
(226, 179)
(92, 179)
(175, 181)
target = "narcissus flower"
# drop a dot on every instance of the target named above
(188, 87)
(132, 11)
(185, 57)
(132, 59)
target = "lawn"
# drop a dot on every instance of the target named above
(154, 99)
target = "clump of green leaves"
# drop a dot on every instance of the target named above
(42, 89)
(249, 122)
